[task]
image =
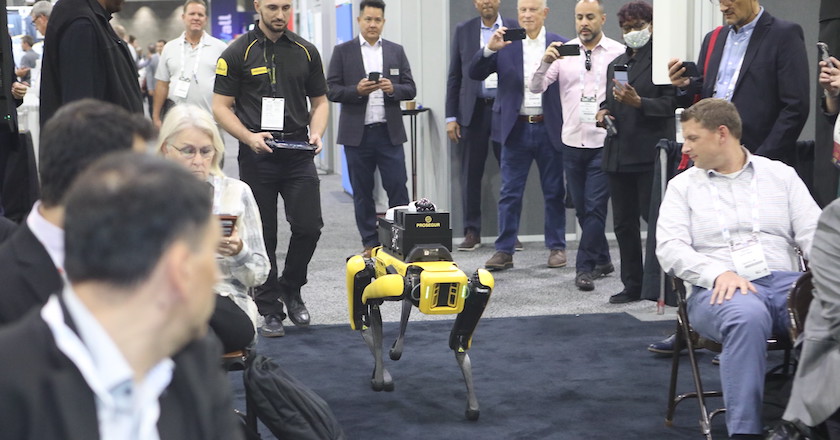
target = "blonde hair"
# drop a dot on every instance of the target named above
(184, 116)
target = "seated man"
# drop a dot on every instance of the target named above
(729, 226)
(77, 135)
(123, 352)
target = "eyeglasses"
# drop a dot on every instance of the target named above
(630, 27)
(588, 64)
(189, 151)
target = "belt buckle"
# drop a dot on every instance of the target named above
(533, 119)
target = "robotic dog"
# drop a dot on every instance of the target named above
(415, 266)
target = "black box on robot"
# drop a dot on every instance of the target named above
(409, 229)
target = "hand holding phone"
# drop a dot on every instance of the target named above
(691, 70)
(620, 74)
(568, 50)
(514, 34)
(374, 76)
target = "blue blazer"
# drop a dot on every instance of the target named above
(772, 93)
(461, 91)
(508, 64)
(346, 69)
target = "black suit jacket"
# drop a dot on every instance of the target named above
(639, 129)
(347, 67)
(772, 92)
(27, 275)
(461, 90)
(43, 396)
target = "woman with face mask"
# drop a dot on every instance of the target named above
(640, 113)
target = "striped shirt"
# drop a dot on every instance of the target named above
(689, 237)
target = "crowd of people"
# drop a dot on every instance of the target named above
(113, 278)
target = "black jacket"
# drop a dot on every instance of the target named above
(27, 275)
(84, 58)
(639, 129)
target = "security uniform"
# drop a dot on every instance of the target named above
(253, 69)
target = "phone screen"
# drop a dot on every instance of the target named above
(514, 34)
(620, 73)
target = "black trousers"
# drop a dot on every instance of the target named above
(630, 200)
(292, 175)
(475, 144)
(231, 324)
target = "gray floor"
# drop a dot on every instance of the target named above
(529, 289)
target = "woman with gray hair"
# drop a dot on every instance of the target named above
(190, 137)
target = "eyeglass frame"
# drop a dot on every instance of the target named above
(196, 150)
(588, 62)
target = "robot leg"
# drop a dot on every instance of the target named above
(480, 287)
(381, 378)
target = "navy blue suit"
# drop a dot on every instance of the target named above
(772, 92)
(524, 142)
(368, 147)
(473, 113)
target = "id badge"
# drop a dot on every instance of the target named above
(377, 98)
(181, 88)
(749, 259)
(588, 109)
(492, 81)
(532, 99)
(273, 113)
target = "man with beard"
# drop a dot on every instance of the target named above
(84, 58)
(268, 74)
(582, 79)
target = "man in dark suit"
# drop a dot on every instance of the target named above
(32, 259)
(123, 351)
(369, 76)
(528, 126)
(469, 107)
(758, 63)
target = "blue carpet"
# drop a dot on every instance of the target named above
(546, 377)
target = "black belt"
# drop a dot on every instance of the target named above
(486, 101)
(531, 119)
(376, 125)
(297, 135)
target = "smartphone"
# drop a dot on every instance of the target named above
(620, 73)
(374, 76)
(228, 222)
(822, 49)
(691, 70)
(513, 34)
(569, 50)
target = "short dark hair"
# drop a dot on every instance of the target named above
(633, 11)
(123, 213)
(711, 113)
(198, 2)
(28, 40)
(77, 135)
(378, 4)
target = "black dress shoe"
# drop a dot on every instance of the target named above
(602, 270)
(624, 297)
(665, 346)
(583, 281)
(297, 311)
(273, 327)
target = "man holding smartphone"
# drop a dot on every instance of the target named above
(643, 113)
(369, 76)
(469, 111)
(581, 82)
(528, 127)
(759, 63)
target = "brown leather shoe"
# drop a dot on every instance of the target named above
(518, 246)
(557, 258)
(499, 261)
(366, 251)
(472, 241)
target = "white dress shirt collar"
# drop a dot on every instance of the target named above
(50, 235)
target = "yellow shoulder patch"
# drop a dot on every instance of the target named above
(259, 71)
(221, 67)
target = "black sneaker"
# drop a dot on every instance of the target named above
(273, 327)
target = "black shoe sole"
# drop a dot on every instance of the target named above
(272, 334)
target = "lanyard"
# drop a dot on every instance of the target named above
(184, 58)
(272, 71)
(727, 236)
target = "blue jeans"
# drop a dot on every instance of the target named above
(742, 325)
(375, 151)
(528, 143)
(589, 187)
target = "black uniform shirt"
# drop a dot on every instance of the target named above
(244, 71)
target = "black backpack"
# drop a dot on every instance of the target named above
(286, 406)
